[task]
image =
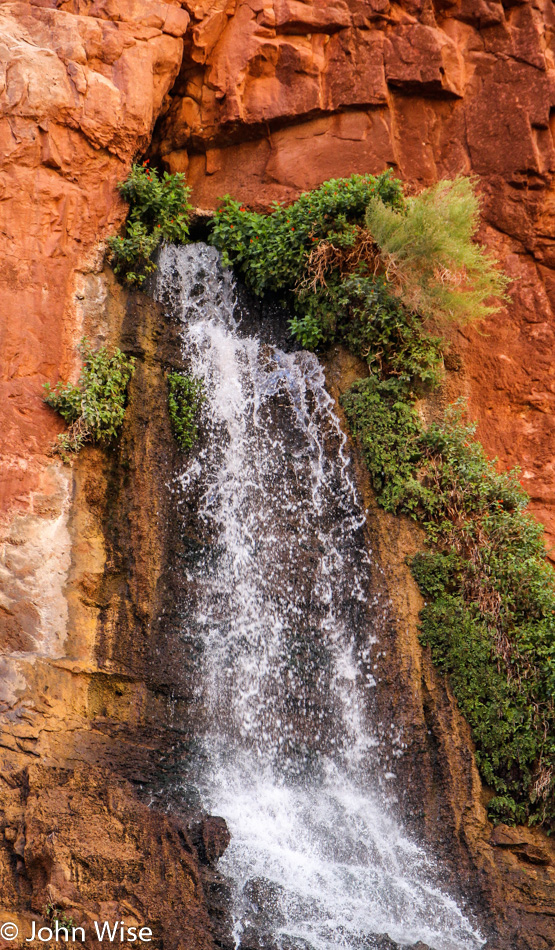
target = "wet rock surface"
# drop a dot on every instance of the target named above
(276, 514)
(86, 737)
(441, 796)
(131, 704)
(276, 96)
(211, 837)
(95, 682)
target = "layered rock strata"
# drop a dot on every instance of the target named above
(81, 84)
(508, 874)
(275, 97)
(92, 735)
(261, 100)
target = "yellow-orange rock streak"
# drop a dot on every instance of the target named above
(81, 84)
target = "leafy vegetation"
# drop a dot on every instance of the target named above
(357, 248)
(272, 252)
(389, 337)
(159, 211)
(185, 397)
(358, 262)
(490, 592)
(58, 916)
(303, 251)
(94, 407)
(380, 414)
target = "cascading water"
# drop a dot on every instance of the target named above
(285, 631)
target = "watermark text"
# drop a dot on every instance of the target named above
(56, 932)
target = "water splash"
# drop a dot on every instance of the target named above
(281, 615)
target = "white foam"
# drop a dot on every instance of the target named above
(283, 605)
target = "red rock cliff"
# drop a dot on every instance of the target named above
(266, 99)
(81, 84)
(275, 97)
(262, 100)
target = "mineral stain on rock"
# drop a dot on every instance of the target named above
(260, 100)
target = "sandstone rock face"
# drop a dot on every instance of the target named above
(81, 843)
(508, 874)
(274, 96)
(94, 701)
(261, 99)
(81, 84)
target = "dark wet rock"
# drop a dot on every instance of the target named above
(217, 891)
(214, 838)
(210, 836)
(295, 943)
(252, 939)
(381, 942)
(384, 942)
(265, 898)
(265, 318)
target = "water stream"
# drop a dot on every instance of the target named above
(281, 617)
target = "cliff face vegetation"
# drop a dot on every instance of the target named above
(261, 100)
(274, 98)
(88, 728)
(81, 86)
(510, 871)
(74, 113)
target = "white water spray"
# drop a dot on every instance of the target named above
(286, 629)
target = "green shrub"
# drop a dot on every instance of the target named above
(430, 257)
(490, 612)
(511, 749)
(93, 408)
(131, 255)
(382, 417)
(159, 211)
(331, 255)
(271, 252)
(318, 313)
(185, 397)
(58, 916)
(358, 263)
(316, 256)
(387, 335)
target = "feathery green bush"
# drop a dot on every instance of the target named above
(430, 257)
(359, 263)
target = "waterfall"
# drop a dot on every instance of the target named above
(282, 621)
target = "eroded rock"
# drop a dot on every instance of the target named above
(87, 846)
(74, 113)
(275, 97)
(271, 98)
(81, 88)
